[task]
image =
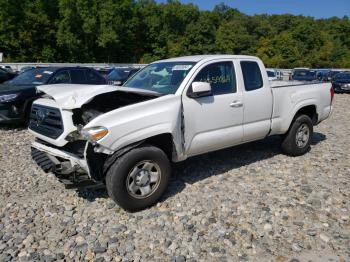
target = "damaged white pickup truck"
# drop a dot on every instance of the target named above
(170, 110)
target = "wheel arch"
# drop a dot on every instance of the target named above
(310, 111)
(163, 141)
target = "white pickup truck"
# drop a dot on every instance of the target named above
(170, 110)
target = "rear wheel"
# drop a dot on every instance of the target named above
(298, 139)
(138, 179)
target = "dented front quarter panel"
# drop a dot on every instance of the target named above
(140, 121)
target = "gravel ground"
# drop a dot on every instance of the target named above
(248, 203)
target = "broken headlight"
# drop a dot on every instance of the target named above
(94, 133)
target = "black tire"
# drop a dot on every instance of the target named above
(289, 144)
(26, 113)
(118, 174)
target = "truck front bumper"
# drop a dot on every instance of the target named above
(51, 159)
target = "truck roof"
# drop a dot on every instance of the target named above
(197, 58)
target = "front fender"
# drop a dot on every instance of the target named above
(140, 121)
(142, 134)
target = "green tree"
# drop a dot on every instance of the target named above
(144, 30)
(27, 30)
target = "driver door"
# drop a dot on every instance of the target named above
(214, 122)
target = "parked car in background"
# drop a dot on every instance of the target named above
(7, 68)
(322, 75)
(167, 112)
(279, 74)
(304, 75)
(118, 76)
(331, 74)
(104, 71)
(274, 74)
(341, 82)
(271, 74)
(26, 68)
(6, 75)
(17, 95)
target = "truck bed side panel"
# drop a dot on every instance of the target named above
(289, 99)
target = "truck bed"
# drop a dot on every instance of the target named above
(281, 83)
(290, 95)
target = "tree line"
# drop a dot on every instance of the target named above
(142, 31)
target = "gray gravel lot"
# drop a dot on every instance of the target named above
(248, 203)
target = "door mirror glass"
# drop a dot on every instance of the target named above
(200, 89)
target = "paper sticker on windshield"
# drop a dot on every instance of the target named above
(182, 67)
(48, 72)
(38, 76)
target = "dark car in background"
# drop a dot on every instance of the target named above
(17, 95)
(322, 75)
(118, 76)
(104, 71)
(26, 68)
(6, 75)
(304, 75)
(341, 82)
(331, 74)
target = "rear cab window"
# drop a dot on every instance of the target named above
(251, 75)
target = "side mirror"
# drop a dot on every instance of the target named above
(200, 89)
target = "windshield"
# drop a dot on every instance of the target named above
(304, 73)
(118, 74)
(271, 74)
(162, 77)
(342, 76)
(37, 76)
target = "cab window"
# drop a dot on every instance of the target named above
(251, 75)
(220, 76)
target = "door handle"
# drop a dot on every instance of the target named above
(236, 104)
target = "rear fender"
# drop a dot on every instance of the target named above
(287, 123)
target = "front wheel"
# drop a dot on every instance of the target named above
(298, 139)
(139, 178)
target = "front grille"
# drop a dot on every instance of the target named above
(46, 121)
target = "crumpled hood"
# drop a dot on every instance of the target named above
(70, 96)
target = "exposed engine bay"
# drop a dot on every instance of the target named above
(106, 102)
